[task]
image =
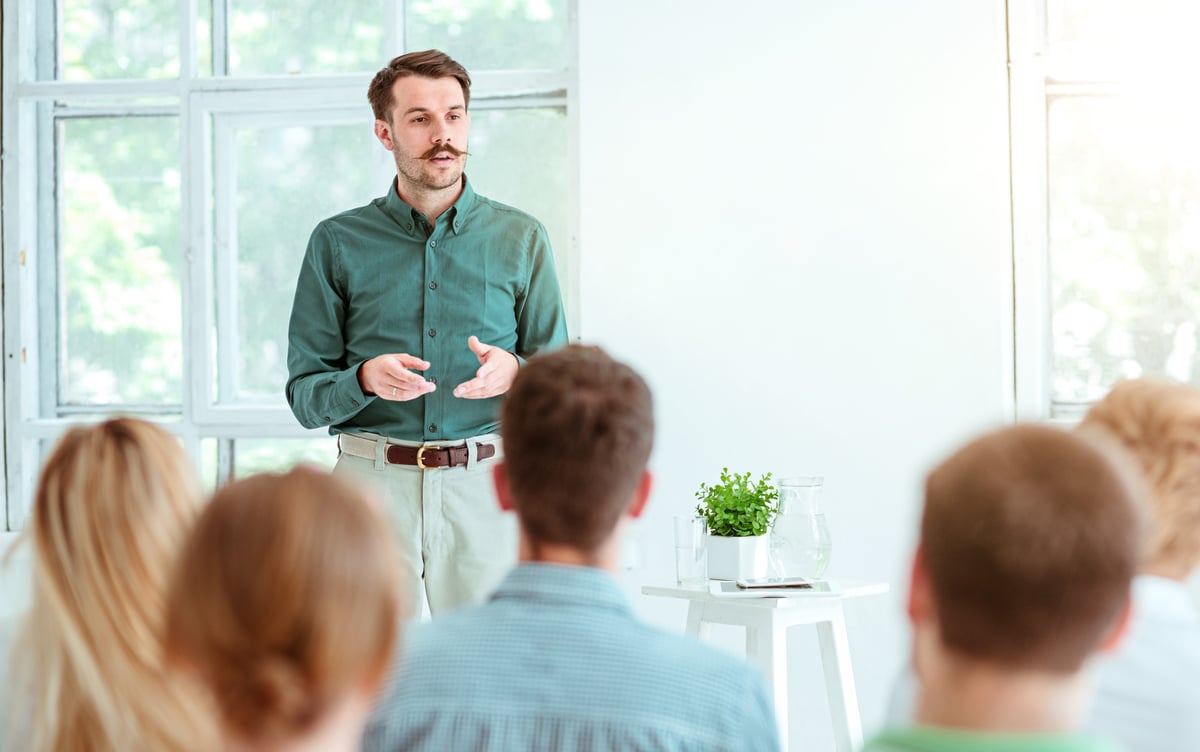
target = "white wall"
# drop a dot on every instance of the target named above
(795, 223)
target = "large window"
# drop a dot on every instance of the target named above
(165, 162)
(1106, 186)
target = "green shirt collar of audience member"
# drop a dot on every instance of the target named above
(930, 739)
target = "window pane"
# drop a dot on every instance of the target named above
(279, 455)
(288, 179)
(265, 455)
(120, 263)
(119, 39)
(306, 36)
(492, 34)
(1124, 203)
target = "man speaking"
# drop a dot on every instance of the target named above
(412, 316)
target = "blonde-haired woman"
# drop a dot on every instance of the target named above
(286, 603)
(112, 507)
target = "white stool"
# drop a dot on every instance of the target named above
(766, 621)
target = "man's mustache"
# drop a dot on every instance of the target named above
(444, 149)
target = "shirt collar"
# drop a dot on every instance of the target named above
(563, 584)
(938, 739)
(409, 218)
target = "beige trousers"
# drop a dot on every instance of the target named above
(455, 542)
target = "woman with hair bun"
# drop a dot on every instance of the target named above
(286, 604)
(112, 506)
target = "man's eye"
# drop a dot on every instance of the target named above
(456, 117)
(419, 119)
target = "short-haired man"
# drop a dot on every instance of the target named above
(1146, 690)
(1030, 537)
(555, 660)
(412, 316)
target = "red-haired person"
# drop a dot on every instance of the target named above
(286, 604)
(1030, 538)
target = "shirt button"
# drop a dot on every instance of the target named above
(433, 332)
(433, 285)
(327, 419)
(432, 427)
(433, 244)
(408, 226)
(433, 379)
(354, 402)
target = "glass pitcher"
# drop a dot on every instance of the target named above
(800, 541)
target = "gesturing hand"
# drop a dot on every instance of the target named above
(388, 377)
(496, 372)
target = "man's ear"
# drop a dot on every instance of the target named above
(641, 495)
(500, 481)
(383, 132)
(920, 595)
(1119, 630)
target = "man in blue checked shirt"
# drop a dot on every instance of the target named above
(555, 659)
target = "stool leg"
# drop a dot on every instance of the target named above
(696, 625)
(766, 647)
(839, 682)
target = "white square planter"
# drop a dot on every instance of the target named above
(738, 558)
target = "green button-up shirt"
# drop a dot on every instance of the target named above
(377, 279)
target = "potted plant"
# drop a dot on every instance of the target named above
(739, 515)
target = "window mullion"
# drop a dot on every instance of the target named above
(49, 260)
(187, 41)
(220, 38)
(1032, 345)
(395, 36)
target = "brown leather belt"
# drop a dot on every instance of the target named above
(424, 457)
(428, 457)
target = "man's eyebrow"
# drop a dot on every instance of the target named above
(411, 110)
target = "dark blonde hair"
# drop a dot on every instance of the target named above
(578, 428)
(286, 599)
(113, 504)
(1158, 422)
(1030, 536)
(426, 64)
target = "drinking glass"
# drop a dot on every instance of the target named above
(691, 551)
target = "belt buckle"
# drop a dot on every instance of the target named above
(421, 458)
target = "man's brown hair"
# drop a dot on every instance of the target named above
(1158, 422)
(427, 64)
(286, 597)
(578, 428)
(1030, 537)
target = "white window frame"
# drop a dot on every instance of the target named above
(1032, 86)
(1033, 343)
(209, 106)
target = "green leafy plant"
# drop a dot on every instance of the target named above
(735, 507)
